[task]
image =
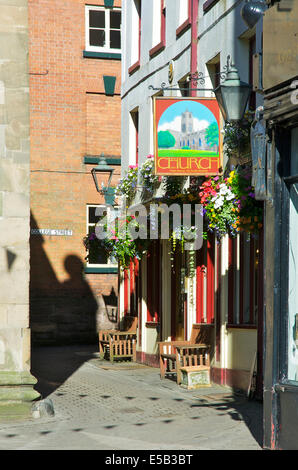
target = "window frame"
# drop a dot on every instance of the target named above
(186, 23)
(208, 4)
(243, 268)
(107, 29)
(92, 224)
(206, 267)
(160, 46)
(138, 34)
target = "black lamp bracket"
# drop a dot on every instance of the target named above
(199, 77)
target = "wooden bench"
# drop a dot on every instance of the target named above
(193, 366)
(117, 344)
(171, 352)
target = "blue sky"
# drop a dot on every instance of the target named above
(172, 116)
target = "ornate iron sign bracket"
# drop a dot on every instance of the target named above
(164, 86)
(196, 77)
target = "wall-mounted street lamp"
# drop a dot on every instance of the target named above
(102, 167)
(252, 11)
(232, 95)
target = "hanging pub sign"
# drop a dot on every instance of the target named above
(187, 136)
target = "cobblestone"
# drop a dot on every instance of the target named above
(126, 406)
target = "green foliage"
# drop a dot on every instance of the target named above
(165, 139)
(229, 205)
(212, 134)
(237, 137)
(119, 243)
(186, 153)
(148, 177)
(173, 185)
(128, 184)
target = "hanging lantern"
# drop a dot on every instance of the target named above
(232, 95)
(102, 167)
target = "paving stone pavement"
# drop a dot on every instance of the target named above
(125, 406)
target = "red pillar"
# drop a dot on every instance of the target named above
(210, 280)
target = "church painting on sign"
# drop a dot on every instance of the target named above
(187, 136)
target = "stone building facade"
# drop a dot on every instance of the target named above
(16, 382)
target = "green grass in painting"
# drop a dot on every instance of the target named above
(186, 153)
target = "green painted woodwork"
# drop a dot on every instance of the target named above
(102, 55)
(109, 3)
(109, 84)
(95, 160)
(101, 270)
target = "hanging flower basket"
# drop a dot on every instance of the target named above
(148, 178)
(95, 248)
(237, 139)
(128, 184)
(121, 243)
(229, 205)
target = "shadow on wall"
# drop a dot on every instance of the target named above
(68, 312)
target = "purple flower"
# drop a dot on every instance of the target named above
(92, 236)
(251, 194)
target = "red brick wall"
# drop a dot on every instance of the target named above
(70, 117)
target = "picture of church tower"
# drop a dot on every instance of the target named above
(188, 129)
(186, 123)
(188, 138)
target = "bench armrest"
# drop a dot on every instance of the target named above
(169, 347)
(194, 346)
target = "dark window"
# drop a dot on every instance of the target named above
(97, 19)
(97, 37)
(103, 27)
